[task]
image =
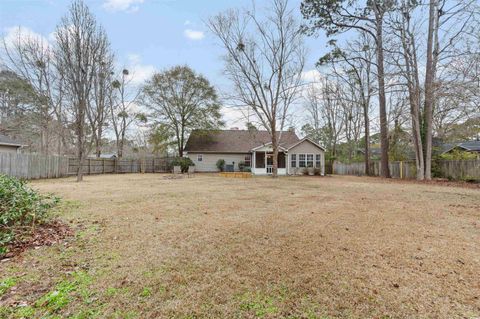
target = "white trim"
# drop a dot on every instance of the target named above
(303, 140)
(12, 144)
(266, 144)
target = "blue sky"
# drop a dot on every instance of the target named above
(146, 35)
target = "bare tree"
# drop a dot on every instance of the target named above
(100, 103)
(123, 111)
(80, 41)
(340, 16)
(447, 22)
(355, 70)
(264, 60)
(31, 58)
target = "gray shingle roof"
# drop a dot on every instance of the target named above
(472, 146)
(234, 141)
(5, 140)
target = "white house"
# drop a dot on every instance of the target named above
(253, 148)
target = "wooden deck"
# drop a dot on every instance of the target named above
(235, 174)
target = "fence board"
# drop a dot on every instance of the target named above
(457, 170)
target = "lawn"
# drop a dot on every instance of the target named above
(213, 247)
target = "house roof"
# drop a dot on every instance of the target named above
(5, 140)
(234, 141)
(471, 146)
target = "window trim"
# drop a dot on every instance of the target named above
(300, 161)
(293, 160)
(318, 160)
(249, 160)
(311, 161)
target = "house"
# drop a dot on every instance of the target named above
(253, 148)
(466, 146)
(8, 145)
(103, 156)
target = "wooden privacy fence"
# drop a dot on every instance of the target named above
(406, 169)
(118, 166)
(34, 166)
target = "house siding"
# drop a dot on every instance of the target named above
(306, 147)
(8, 149)
(209, 162)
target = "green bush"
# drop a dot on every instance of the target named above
(247, 169)
(221, 164)
(183, 162)
(20, 207)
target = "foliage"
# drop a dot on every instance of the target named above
(181, 100)
(458, 155)
(64, 293)
(20, 206)
(221, 164)
(241, 165)
(183, 162)
(161, 138)
(6, 284)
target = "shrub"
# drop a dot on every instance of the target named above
(247, 169)
(241, 166)
(20, 207)
(317, 171)
(221, 164)
(183, 162)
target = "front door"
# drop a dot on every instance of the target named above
(269, 163)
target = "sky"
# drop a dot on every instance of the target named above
(150, 35)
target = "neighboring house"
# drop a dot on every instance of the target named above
(254, 149)
(9, 145)
(103, 156)
(468, 146)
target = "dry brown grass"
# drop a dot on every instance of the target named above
(210, 247)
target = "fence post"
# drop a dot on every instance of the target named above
(115, 165)
(103, 162)
(401, 169)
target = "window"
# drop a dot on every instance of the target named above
(301, 160)
(318, 161)
(309, 160)
(248, 160)
(199, 157)
(293, 160)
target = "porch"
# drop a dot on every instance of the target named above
(262, 162)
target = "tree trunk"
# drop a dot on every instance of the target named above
(80, 139)
(275, 156)
(429, 91)
(367, 140)
(382, 103)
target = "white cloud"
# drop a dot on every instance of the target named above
(194, 34)
(122, 5)
(20, 34)
(311, 76)
(187, 22)
(139, 72)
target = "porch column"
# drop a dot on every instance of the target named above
(323, 163)
(265, 161)
(254, 158)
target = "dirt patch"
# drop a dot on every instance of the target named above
(44, 235)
